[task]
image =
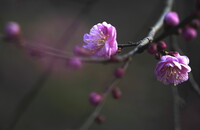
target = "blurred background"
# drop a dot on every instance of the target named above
(62, 100)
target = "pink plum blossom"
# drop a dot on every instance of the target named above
(101, 41)
(172, 70)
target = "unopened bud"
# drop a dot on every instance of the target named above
(161, 45)
(152, 48)
(116, 93)
(35, 52)
(119, 72)
(189, 33)
(195, 23)
(12, 30)
(95, 98)
(100, 119)
(179, 31)
(157, 55)
(173, 53)
(78, 50)
(75, 63)
(171, 19)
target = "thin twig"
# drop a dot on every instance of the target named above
(94, 114)
(150, 37)
(165, 33)
(142, 43)
(176, 98)
(30, 96)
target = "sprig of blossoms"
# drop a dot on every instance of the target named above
(172, 69)
(101, 41)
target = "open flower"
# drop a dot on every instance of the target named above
(172, 70)
(101, 41)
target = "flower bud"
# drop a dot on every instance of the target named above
(114, 59)
(100, 119)
(189, 33)
(95, 98)
(78, 50)
(195, 23)
(75, 63)
(35, 52)
(161, 45)
(12, 30)
(116, 93)
(173, 53)
(119, 72)
(171, 19)
(152, 48)
(157, 55)
(179, 31)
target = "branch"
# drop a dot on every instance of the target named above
(176, 108)
(30, 96)
(94, 114)
(139, 45)
(166, 32)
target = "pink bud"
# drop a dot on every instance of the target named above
(95, 98)
(119, 72)
(195, 23)
(152, 48)
(161, 45)
(78, 50)
(189, 33)
(100, 119)
(116, 93)
(114, 59)
(171, 19)
(179, 31)
(12, 30)
(174, 53)
(75, 63)
(35, 52)
(157, 55)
